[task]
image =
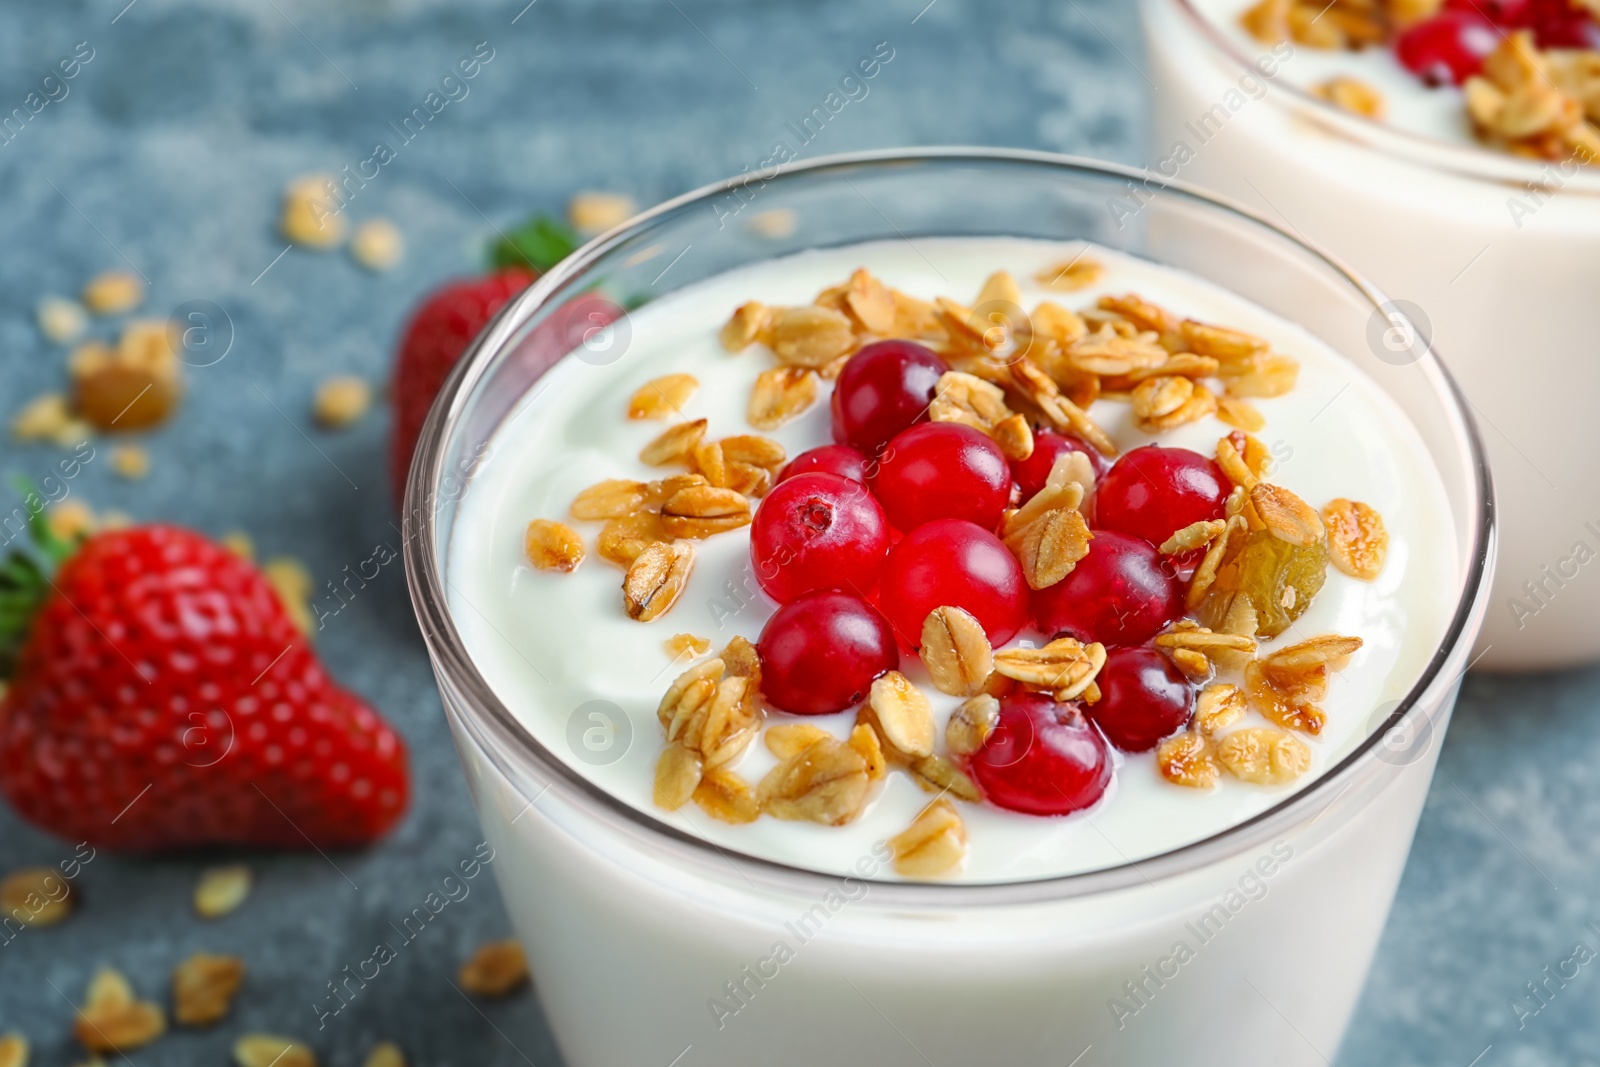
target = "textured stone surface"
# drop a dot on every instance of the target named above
(170, 153)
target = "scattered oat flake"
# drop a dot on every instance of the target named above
(340, 401)
(904, 714)
(656, 578)
(934, 845)
(592, 212)
(1072, 275)
(311, 214)
(1241, 413)
(1357, 541)
(1352, 95)
(956, 651)
(221, 890)
(774, 225)
(239, 543)
(269, 1050)
(386, 1054)
(825, 783)
(377, 245)
(971, 724)
(13, 1050)
(130, 461)
(780, 394)
(293, 584)
(44, 418)
(35, 896)
(1263, 755)
(203, 987)
(132, 387)
(1186, 759)
(113, 292)
(674, 444)
(553, 546)
(679, 645)
(71, 519)
(62, 321)
(112, 1019)
(663, 397)
(494, 970)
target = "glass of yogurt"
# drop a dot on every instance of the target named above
(1489, 253)
(1227, 920)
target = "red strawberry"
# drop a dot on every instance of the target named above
(163, 699)
(440, 330)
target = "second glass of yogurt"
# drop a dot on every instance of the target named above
(973, 832)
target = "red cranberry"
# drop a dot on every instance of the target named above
(842, 460)
(1119, 594)
(1152, 492)
(884, 388)
(1042, 758)
(818, 531)
(820, 653)
(1448, 48)
(942, 470)
(1144, 698)
(1506, 13)
(951, 561)
(1558, 24)
(1048, 446)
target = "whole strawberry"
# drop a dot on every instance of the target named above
(440, 330)
(161, 698)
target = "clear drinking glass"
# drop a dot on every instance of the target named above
(1495, 257)
(637, 932)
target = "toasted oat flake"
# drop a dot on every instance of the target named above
(1193, 536)
(774, 225)
(748, 324)
(221, 890)
(726, 797)
(704, 510)
(311, 215)
(656, 578)
(1187, 759)
(680, 645)
(130, 461)
(592, 211)
(377, 245)
(13, 1050)
(1204, 641)
(1262, 375)
(971, 724)
(35, 896)
(385, 1054)
(1332, 651)
(1357, 540)
(675, 444)
(1071, 276)
(871, 302)
(934, 845)
(610, 499)
(969, 400)
(864, 740)
(935, 774)
(270, 1050)
(1352, 95)
(62, 321)
(956, 651)
(1014, 436)
(780, 394)
(494, 970)
(1263, 755)
(553, 546)
(1165, 403)
(663, 397)
(293, 583)
(825, 783)
(1287, 516)
(810, 336)
(903, 713)
(1218, 707)
(1288, 698)
(114, 292)
(624, 538)
(1064, 666)
(112, 1019)
(131, 387)
(791, 738)
(203, 987)
(1193, 664)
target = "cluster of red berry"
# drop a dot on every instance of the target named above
(1450, 47)
(860, 540)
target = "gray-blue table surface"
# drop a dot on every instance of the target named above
(169, 153)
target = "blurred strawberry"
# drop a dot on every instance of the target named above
(447, 321)
(161, 698)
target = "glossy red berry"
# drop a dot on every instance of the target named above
(1558, 24)
(842, 460)
(884, 388)
(1507, 13)
(953, 562)
(1144, 698)
(818, 531)
(1042, 758)
(1448, 48)
(942, 470)
(1121, 593)
(820, 653)
(1152, 492)
(1048, 446)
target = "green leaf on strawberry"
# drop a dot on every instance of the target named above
(540, 243)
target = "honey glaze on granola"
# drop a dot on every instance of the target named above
(580, 605)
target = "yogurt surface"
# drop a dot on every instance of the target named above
(561, 654)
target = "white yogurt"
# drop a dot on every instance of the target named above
(549, 644)
(1498, 257)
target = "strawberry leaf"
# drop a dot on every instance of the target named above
(540, 243)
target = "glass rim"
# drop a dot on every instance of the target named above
(451, 656)
(1463, 161)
